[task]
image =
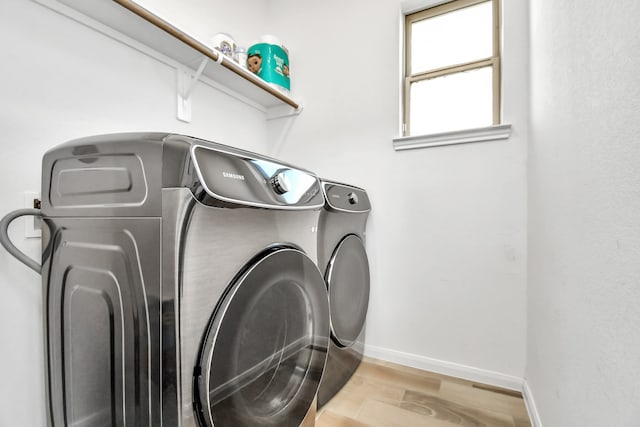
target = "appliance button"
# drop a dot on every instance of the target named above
(280, 183)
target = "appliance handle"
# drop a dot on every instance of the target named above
(8, 244)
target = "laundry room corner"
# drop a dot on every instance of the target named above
(447, 232)
(243, 213)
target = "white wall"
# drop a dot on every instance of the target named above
(60, 80)
(446, 236)
(583, 358)
(244, 20)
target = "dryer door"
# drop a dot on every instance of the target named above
(347, 279)
(266, 345)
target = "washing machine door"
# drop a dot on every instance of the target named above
(347, 279)
(264, 351)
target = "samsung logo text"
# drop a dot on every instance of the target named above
(233, 176)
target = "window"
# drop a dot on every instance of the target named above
(452, 67)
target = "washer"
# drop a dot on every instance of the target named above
(343, 258)
(180, 285)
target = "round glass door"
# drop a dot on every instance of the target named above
(348, 285)
(266, 345)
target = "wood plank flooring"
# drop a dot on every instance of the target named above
(384, 394)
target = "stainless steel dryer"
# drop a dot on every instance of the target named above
(343, 258)
(180, 285)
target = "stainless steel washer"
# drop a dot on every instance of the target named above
(180, 285)
(343, 258)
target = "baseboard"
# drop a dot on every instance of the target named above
(460, 371)
(534, 416)
(446, 368)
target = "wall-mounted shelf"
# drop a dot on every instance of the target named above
(134, 22)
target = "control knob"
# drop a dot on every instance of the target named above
(280, 183)
(352, 198)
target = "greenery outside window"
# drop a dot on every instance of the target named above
(452, 67)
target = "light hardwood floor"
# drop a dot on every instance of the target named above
(384, 394)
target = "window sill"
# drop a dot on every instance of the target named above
(489, 133)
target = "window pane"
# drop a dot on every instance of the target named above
(452, 102)
(453, 38)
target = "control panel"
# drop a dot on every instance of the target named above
(343, 197)
(262, 182)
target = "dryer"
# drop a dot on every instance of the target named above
(180, 285)
(343, 259)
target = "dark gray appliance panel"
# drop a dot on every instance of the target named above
(266, 345)
(104, 176)
(348, 280)
(102, 306)
(345, 198)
